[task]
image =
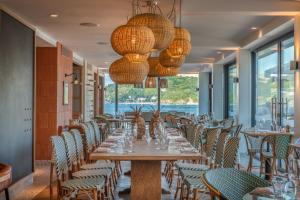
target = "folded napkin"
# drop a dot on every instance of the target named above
(111, 140)
(180, 140)
(102, 150)
(119, 130)
(186, 144)
(188, 150)
(106, 144)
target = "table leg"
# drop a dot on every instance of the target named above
(145, 180)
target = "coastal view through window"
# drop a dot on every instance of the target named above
(180, 95)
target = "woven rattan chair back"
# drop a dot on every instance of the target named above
(211, 139)
(230, 152)
(60, 156)
(97, 132)
(79, 145)
(218, 155)
(70, 148)
(231, 184)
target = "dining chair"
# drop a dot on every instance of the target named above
(191, 178)
(97, 132)
(75, 172)
(296, 157)
(227, 123)
(97, 165)
(279, 150)
(70, 188)
(5, 178)
(230, 183)
(253, 144)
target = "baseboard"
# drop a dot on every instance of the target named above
(19, 186)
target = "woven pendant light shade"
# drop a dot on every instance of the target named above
(182, 33)
(167, 60)
(129, 39)
(124, 72)
(150, 82)
(161, 27)
(157, 70)
(136, 58)
(179, 47)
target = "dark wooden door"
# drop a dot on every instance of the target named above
(16, 98)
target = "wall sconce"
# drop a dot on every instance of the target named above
(294, 65)
(75, 81)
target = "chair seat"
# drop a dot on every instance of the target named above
(98, 165)
(191, 173)
(191, 166)
(84, 184)
(94, 173)
(194, 183)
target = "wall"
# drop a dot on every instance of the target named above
(51, 65)
(16, 99)
(88, 92)
(218, 91)
(244, 92)
(203, 93)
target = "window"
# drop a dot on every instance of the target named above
(109, 96)
(130, 96)
(181, 94)
(231, 91)
(275, 84)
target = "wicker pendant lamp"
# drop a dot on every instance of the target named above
(150, 82)
(137, 58)
(179, 47)
(182, 33)
(133, 41)
(161, 27)
(157, 70)
(166, 60)
(124, 72)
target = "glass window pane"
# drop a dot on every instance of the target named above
(287, 82)
(130, 96)
(266, 84)
(232, 92)
(110, 95)
(181, 94)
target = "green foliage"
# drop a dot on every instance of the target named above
(180, 90)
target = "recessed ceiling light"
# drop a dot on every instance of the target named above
(253, 28)
(219, 52)
(53, 15)
(89, 24)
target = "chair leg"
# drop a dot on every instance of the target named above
(249, 169)
(177, 187)
(51, 176)
(195, 194)
(6, 193)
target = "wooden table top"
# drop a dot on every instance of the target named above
(263, 133)
(144, 151)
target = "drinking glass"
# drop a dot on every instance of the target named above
(278, 187)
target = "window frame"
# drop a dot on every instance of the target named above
(226, 88)
(277, 41)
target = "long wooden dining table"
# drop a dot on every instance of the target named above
(146, 160)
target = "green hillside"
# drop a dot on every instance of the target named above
(181, 90)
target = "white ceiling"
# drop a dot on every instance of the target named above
(215, 25)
